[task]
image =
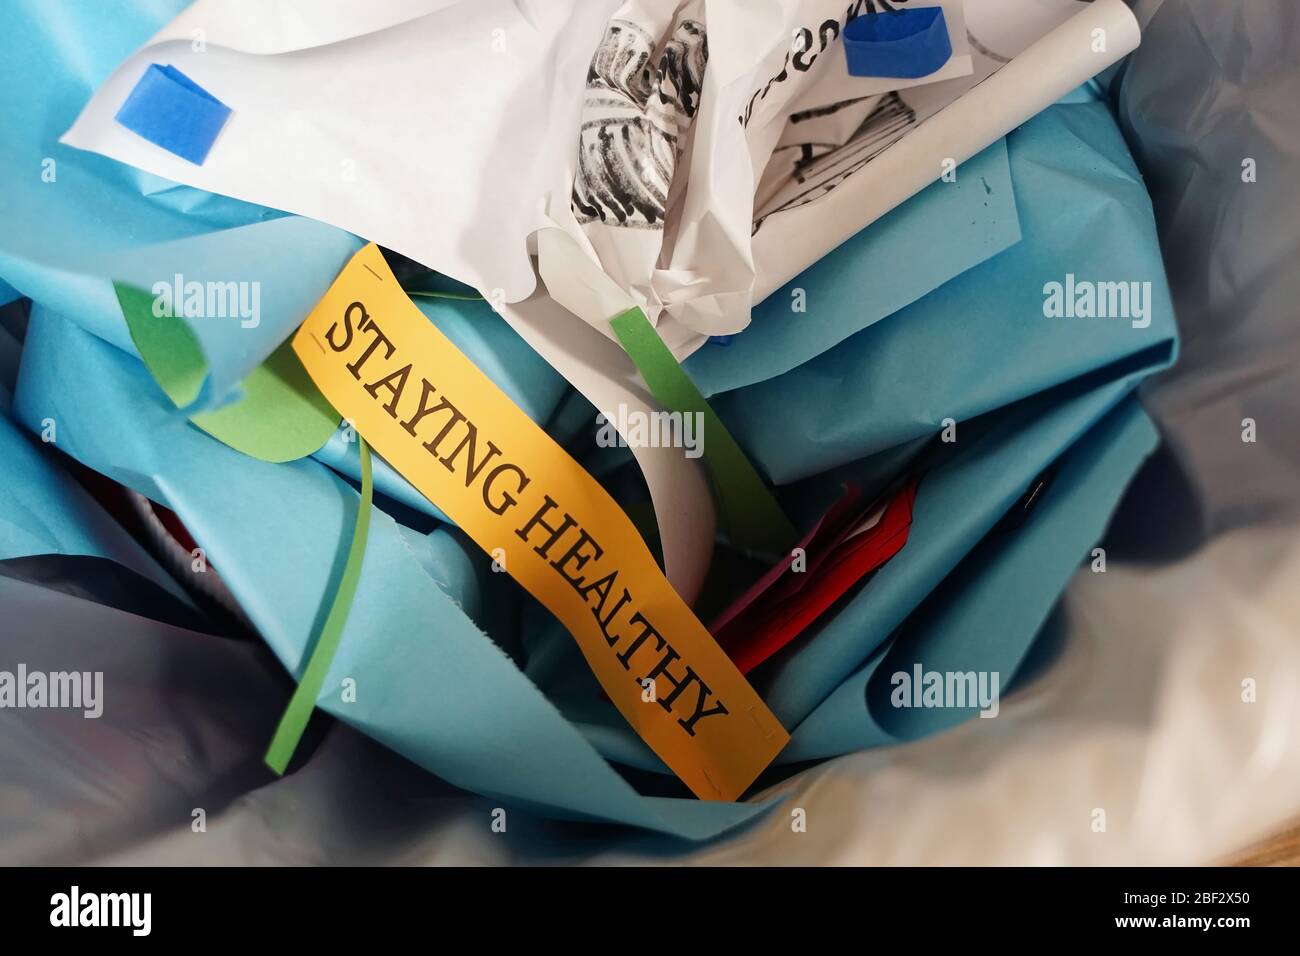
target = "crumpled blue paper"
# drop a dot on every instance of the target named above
(43, 509)
(429, 683)
(437, 648)
(981, 340)
(938, 234)
(1024, 390)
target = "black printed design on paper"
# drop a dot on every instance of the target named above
(884, 126)
(635, 114)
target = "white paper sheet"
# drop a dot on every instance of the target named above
(451, 132)
(436, 134)
(405, 121)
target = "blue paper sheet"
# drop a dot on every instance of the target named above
(978, 346)
(43, 509)
(938, 234)
(429, 683)
(981, 340)
(982, 616)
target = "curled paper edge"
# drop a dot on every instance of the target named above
(794, 239)
(598, 367)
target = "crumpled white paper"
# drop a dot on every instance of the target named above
(674, 141)
(713, 135)
(671, 155)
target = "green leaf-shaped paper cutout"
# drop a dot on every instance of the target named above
(281, 416)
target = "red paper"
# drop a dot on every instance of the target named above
(782, 603)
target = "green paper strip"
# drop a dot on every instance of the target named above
(749, 512)
(300, 708)
(281, 416)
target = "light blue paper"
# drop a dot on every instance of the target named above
(981, 340)
(73, 221)
(44, 510)
(978, 346)
(977, 620)
(257, 283)
(936, 235)
(429, 683)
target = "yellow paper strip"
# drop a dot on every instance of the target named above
(436, 418)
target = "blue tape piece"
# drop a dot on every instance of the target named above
(172, 111)
(903, 44)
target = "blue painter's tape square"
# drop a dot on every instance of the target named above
(172, 111)
(902, 44)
